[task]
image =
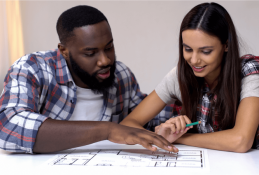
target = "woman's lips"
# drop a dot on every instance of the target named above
(198, 69)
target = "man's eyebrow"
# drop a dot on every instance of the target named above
(205, 47)
(109, 42)
(90, 49)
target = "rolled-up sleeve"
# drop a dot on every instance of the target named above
(19, 111)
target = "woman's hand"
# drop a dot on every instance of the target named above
(173, 128)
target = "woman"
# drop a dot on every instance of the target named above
(213, 85)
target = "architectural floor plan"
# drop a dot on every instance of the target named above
(131, 158)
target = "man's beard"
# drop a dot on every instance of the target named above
(90, 80)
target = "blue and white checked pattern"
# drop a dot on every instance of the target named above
(39, 85)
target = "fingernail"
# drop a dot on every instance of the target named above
(176, 149)
(169, 147)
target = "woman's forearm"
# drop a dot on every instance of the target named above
(132, 123)
(238, 139)
(145, 111)
(227, 140)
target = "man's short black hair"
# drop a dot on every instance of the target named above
(77, 16)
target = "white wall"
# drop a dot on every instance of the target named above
(145, 33)
(4, 61)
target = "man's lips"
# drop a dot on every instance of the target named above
(198, 68)
(104, 70)
(103, 74)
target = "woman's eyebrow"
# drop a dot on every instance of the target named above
(204, 47)
(186, 45)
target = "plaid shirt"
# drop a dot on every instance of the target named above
(250, 65)
(39, 86)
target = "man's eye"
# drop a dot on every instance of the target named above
(109, 48)
(207, 52)
(89, 54)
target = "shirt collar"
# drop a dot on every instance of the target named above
(206, 90)
(111, 92)
(63, 74)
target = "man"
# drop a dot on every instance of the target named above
(61, 99)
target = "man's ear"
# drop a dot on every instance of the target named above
(63, 50)
(226, 46)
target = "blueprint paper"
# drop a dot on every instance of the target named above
(132, 158)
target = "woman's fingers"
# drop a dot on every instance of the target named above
(187, 120)
(175, 125)
(178, 124)
(183, 123)
(187, 128)
(157, 128)
(170, 127)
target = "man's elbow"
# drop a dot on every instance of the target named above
(12, 146)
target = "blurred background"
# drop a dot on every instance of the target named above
(145, 32)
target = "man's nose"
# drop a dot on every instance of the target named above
(103, 60)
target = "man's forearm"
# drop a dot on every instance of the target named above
(56, 135)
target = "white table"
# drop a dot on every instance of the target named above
(220, 162)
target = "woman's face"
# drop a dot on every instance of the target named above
(203, 53)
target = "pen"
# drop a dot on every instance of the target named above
(194, 123)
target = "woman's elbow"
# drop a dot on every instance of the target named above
(242, 144)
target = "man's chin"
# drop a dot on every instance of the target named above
(101, 85)
(100, 80)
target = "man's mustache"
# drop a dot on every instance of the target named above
(102, 70)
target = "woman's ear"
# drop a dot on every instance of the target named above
(226, 46)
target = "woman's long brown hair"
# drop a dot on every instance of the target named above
(214, 20)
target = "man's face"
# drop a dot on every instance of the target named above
(91, 57)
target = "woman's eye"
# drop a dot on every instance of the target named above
(207, 52)
(188, 49)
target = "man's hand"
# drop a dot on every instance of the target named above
(57, 135)
(173, 128)
(131, 136)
